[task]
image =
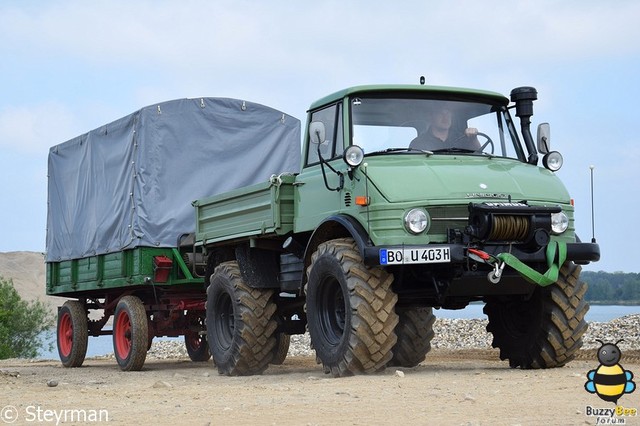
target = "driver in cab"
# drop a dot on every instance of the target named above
(441, 135)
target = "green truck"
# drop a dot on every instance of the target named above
(409, 198)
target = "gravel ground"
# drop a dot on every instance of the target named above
(454, 334)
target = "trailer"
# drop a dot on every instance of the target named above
(120, 222)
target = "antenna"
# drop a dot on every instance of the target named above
(593, 227)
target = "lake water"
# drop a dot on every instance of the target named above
(597, 313)
(103, 345)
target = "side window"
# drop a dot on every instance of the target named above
(333, 145)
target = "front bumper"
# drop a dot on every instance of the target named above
(581, 253)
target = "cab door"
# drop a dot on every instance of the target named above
(316, 199)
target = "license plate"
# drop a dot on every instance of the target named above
(415, 255)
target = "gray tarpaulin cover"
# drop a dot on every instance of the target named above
(130, 183)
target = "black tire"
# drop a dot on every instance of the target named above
(130, 333)
(545, 331)
(350, 310)
(415, 332)
(281, 349)
(241, 323)
(195, 342)
(72, 333)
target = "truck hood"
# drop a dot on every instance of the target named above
(406, 178)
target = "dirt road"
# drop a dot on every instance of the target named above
(452, 388)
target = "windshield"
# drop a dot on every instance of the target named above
(438, 126)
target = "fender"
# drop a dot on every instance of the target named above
(337, 226)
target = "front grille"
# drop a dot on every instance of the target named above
(446, 217)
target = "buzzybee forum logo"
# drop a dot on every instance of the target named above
(609, 381)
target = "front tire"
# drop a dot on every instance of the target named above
(240, 323)
(130, 333)
(72, 333)
(546, 330)
(350, 310)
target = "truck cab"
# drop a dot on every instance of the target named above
(419, 175)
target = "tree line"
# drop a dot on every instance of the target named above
(618, 288)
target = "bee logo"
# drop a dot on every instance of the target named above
(609, 381)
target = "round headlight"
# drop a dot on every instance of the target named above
(416, 221)
(559, 222)
(552, 161)
(353, 155)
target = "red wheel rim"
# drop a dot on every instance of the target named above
(65, 335)
(123, 335)
(194, 340)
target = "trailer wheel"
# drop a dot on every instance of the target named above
(281, 349)
(72, 333)
(241, 323)
(196, 343)
(546, 330)
(130, 333)
(415, 332)
(350, 310)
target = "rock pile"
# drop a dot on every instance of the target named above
(452, 334)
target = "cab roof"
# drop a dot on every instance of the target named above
(437, 92)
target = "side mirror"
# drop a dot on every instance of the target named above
(543, 138)
(317, 132)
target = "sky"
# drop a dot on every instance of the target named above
(71, 66)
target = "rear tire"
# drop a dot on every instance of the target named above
(546, 330)
(130, 333)
(415, 332)
(241, 323)
(350, 310)
(281, 349)
(72, 333)
(196, 343)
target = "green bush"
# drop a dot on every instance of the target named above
(22, 324)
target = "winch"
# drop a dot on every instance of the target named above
(514, 222)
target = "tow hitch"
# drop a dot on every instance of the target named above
(484, 257)
(495, 275)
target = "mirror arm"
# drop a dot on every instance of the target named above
(545, 141)
(323, 162)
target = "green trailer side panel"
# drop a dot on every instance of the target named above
(88, 269)
(262, 209)
(123, 269)
(113, 265)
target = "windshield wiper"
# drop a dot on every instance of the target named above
(455, 150)
(391, 150)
